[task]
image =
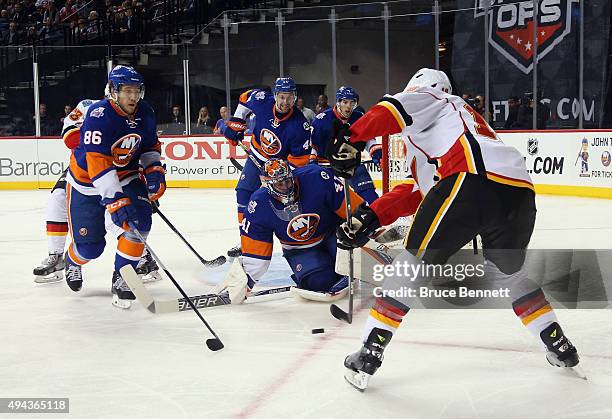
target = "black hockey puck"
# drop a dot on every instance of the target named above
(315, 331)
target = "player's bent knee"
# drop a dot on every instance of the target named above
(90, 250)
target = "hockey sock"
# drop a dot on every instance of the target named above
(129, 251)
(387, 314)
(535, 312)
(56, 236)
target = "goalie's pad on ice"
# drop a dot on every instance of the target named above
(235, 283)
(368, 255)
(324, 297)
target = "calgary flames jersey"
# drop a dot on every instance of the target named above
(443, 136)
(71, 133)
(112, 144)
(285, 137)
(320, 206)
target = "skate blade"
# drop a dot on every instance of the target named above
(578, 372)
(358, 379)
(49, 279)
(122, 304)
(151, 277)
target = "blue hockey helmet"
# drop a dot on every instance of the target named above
(276, 176)
(284, 85)
(123, 75)
(347, 92)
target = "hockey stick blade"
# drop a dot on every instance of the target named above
(214, 344)
(340, 314)
(215, 262)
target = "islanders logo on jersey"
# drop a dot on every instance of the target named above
(124, 149)
(270, 143)
(302, 227)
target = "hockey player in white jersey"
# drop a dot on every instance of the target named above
(467, 182)
(52, 267)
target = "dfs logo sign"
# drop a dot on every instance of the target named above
(511, 27)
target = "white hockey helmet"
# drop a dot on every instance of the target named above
(430, 78)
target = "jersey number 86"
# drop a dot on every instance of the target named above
(93, 137)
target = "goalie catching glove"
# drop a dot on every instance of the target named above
(343, 156)
(363, 223)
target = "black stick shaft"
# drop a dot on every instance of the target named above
(178, 287)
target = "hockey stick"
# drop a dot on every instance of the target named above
(336, 311)
(207, 263)
(202, 301)
(213, 344)
(236, 164)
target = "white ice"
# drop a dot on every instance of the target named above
(133, 364)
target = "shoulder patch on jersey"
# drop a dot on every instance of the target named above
(306, 126)
(270, 143)
(260, 95)
(124, 148)
(302, 227)
(320, 115)
(251, 207)
(324, 175)
(97, 113)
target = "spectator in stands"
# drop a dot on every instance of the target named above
(67, 110)
(513, 107)
(204, 124)
(12, 37)
(480, 105)
(51, 13)
(322, 104)
(67, 13)
(175, 116)
(18, 15)
(220, 125)
(31, 36)
(4, 21)
(525, 114)
(48, 125)
(308, 113)
(93, 25)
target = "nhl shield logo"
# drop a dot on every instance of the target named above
(511, 28)
(532, 146)
(303, 227)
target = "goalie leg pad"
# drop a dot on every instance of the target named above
(338, 291)
(313, 268)
(235, 283)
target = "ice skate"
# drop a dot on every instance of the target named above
(560, 351)
(234, 252)
(363, 364)
(147, 268)
(122, 295)
(50, 270)
(74, 275)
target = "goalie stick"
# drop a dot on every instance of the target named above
(214, 344)
(176, 305)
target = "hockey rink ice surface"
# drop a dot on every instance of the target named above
(113, 363)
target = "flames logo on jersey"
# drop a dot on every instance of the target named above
(270, 143)
(302, 227)
(124, 149)
(511, 28)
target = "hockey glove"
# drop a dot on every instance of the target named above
(343, 156)
(234, 130)
(155, 176)
(376, 154)
(364, 222)
(121, 210)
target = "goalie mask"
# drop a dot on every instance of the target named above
(427, 77)
(276, 176)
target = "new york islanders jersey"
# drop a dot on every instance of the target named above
(319, 208)
(286, 137)
(71, 132)
(322, 131)
(112, 144)
(443, 136)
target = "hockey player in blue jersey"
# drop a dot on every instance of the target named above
(117, 135)
(302, 209)
(322, 127)
(281, 131)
